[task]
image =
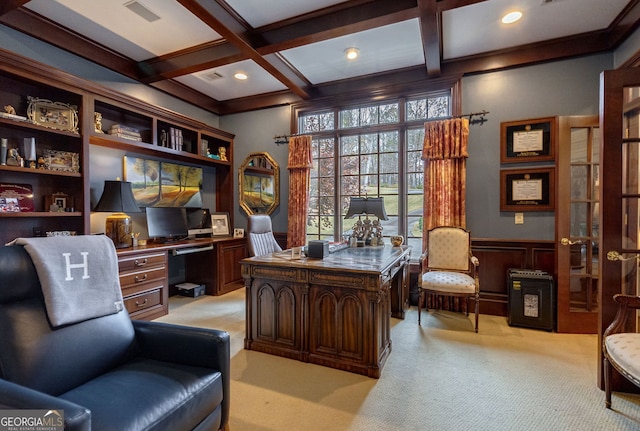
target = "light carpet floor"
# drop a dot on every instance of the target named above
(439, 376)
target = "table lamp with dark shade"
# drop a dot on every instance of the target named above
(367, 231)
(117, 198)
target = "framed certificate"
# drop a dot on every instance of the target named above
(527, 189)
(528, 140)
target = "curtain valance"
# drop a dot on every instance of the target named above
(446, 139)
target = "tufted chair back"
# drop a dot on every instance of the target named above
(260, 235)
(448, 249)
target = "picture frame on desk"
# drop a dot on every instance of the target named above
(220, 224)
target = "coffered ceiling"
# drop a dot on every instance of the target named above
(294, 50)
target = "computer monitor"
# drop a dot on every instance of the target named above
(199, 222)
(166, 224)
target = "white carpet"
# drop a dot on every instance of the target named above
(440, 376)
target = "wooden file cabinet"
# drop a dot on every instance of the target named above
(143, 279)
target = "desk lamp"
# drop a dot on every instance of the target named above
(367, 231)
(118, 199)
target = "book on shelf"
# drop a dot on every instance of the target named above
(126, 136)
(124, 129)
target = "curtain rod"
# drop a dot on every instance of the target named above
(472, 120)
(284, 139)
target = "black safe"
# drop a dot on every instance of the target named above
(531, 299)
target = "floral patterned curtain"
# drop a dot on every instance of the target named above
(445, 162)
(300, 164)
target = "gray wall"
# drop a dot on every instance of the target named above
(254, 132)
(554, 89)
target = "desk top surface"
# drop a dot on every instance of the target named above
(368, 259)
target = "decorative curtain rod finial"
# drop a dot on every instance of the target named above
(281, 140)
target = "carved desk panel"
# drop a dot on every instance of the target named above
(333, 311)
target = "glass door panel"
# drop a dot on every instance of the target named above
(577, 226)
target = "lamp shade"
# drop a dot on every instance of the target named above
(117, 196)
(367, 206)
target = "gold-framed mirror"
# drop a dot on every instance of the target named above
(259, 183)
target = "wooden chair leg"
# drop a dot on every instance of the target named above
(477, 312)
(608, 376)
(420, 296)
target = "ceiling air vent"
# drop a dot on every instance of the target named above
(212, 76)
(141, 10)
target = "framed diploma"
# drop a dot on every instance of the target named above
(527, 189)
(528, 140)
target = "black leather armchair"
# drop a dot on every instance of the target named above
(107, 373)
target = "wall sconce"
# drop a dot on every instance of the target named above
(117, 198)
(367, 232)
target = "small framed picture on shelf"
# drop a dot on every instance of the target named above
(54, 115)
(58, 202)
(220, 224)
(527, 189)
(63, 161)
(528, 140)
(9, 205)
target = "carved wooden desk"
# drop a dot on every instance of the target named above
(333, 311)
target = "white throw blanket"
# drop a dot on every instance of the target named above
(78, 275)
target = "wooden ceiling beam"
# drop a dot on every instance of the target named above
(34, 25)
(225, 24)
(431, 30)
(8, 5)
(281, 36)
(541, 52)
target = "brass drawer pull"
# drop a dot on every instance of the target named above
(143, 303)
(140, 262)
(140, 279)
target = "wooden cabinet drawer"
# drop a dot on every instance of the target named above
(137, 262)
(145, 300)
(137, 277)
(143, 280)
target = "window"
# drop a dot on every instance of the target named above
(370, 150)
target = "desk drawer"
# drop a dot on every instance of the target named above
(141, 261)
(133, 278)
(143, 301)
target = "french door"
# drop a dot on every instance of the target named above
(577, 224)
(619, 196)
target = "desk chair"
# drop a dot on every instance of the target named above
(260, 235)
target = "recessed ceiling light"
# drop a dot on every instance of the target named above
(511, 17)
(241, 76)
(352, 53)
